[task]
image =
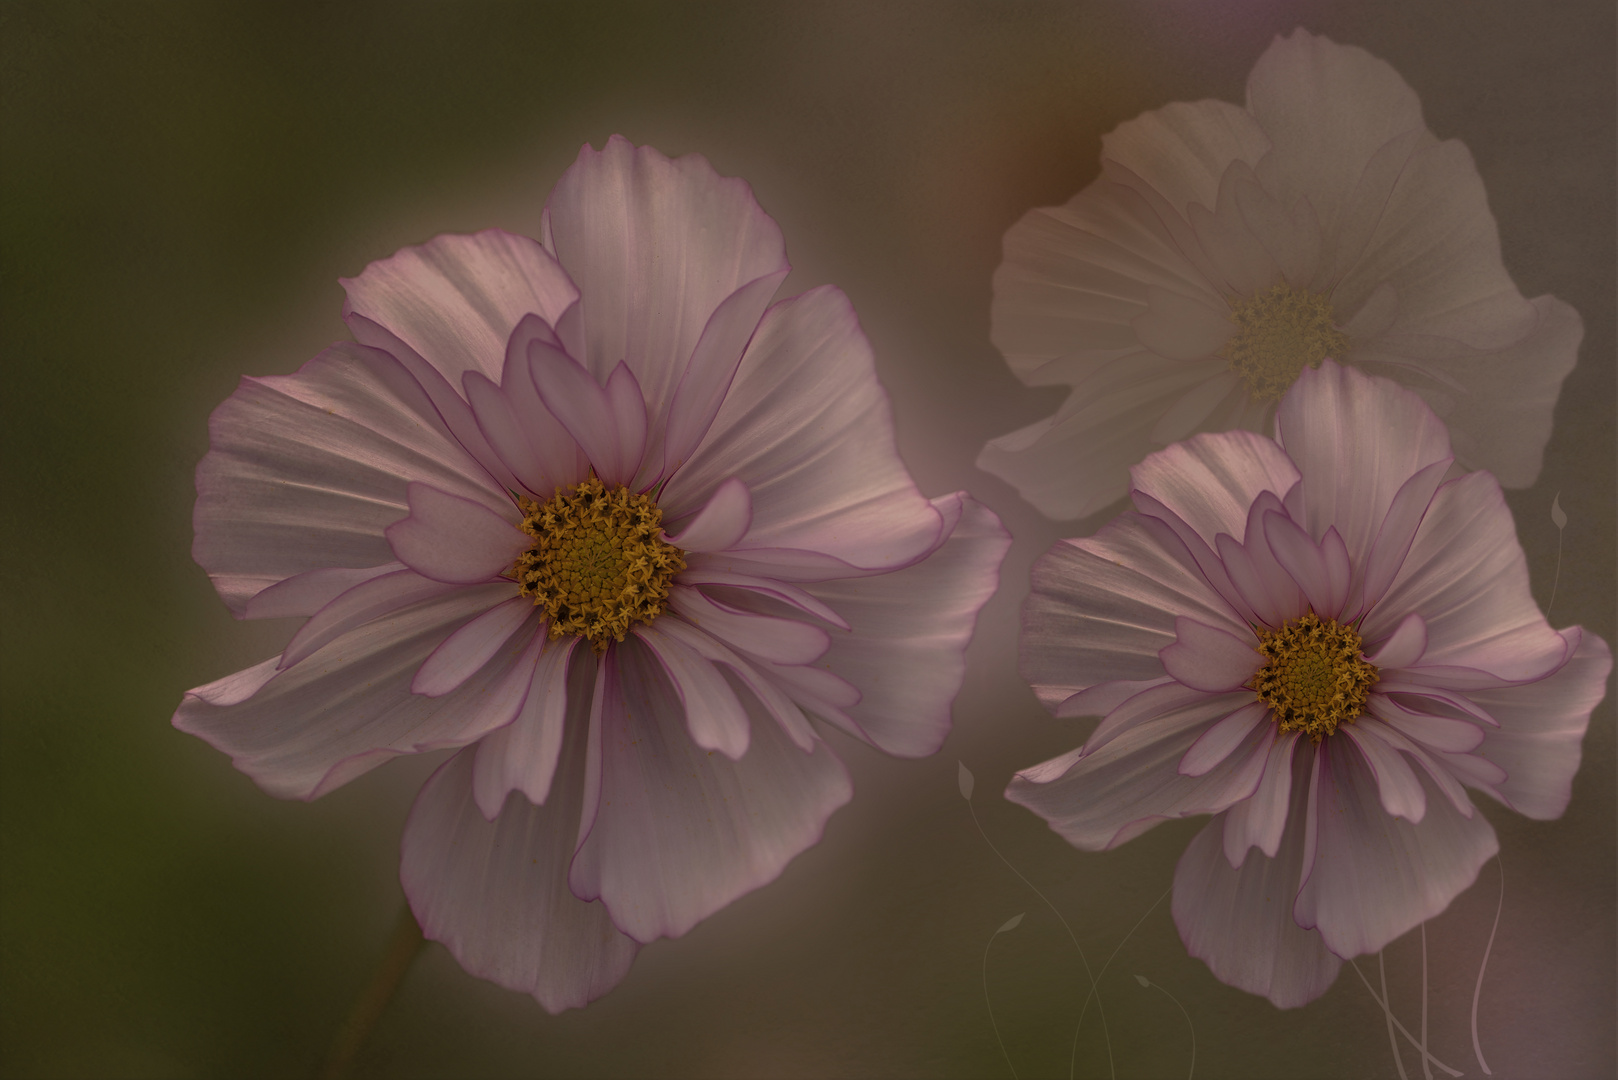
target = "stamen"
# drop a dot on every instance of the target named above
(1316, 677)
(1278, 333)
(599, 561)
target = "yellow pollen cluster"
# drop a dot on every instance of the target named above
(599, 561)
(1316, 677)
(1277, 334)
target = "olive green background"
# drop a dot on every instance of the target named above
(182, 186)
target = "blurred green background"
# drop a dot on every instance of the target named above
(181, 187)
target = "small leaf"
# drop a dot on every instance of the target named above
(1143, 980)
(1011, 923)
(964, 778)
(1558, 515)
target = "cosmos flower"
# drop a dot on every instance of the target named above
(1224, 249)
(1324, 643)
(593, 512)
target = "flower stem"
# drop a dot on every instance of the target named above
(403, 945)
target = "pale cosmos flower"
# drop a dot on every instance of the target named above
(593, 511)
(1323, 642)
(1224, 248)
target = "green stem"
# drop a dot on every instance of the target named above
(403, 945)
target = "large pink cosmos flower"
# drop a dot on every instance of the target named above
(1323, 642)
(592, 511)
(1224, 248)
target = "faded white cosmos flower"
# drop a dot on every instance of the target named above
(1224, 248)
(1324, 643)
(593, 511)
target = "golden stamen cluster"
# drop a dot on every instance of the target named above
(1316, 677)
(599, 561)
(1277, 334)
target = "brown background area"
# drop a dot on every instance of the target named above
(182, 186)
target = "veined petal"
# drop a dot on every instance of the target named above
(1102, 609)
(1221, 740)
(786, 641)
(465, 651)
(1260, 821)
(308, 592)
(1239, 920)
(714, 716)
(455, 299)
(1374, 876)
(1209, 659)
(655, 246)
(1115, 793)
(1466, 575)
(1210, 481)
(679, 832)
(806, 426)
(455, 540)
(1542, 726)
(1182, 150)
(1356, 440)
(348, 707)
(522, 755)
(722, 521)
(496, 893)
(908, 631)
(304, 471)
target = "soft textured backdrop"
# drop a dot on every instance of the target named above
(182, 186)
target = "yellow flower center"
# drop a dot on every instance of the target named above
(599, 561)
(1316, 677)
(1277, 334)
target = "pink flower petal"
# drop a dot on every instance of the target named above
(1398, 529)
(464, 652)
(806, 426)
(722, 521)
(522, 755)
(786, 641)
(1374, 877)
(1209, 659)
(1404, 646)
(306, 470)
(451, 539)
(355, 607)
(455, 299)
(655, 247)
(908, 631)
(1210, 481)
(1465, 574)
(762, 679)
(1239, 921)
(607, 421)
(713, 366)
(1542, 726)
(1114, 793)
(238, 687)
(714, 717)
(1356, 440)
(1221, 740)
(1307, 564)
(1400, 790)
(1102, 609)
(308, 592)
(679, 833)
(1446, 734)
(779, 590)
(348, 708)
(496, 894)
(1260, 821)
